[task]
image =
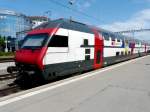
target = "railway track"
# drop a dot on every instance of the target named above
(13, 88)
(8, 76)
(6, 60)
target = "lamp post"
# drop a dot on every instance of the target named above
(71, 2)
(6, 43)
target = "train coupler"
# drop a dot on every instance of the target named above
(12, 69)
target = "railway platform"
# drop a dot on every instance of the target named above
(123, 87)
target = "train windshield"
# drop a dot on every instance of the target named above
(34, 41)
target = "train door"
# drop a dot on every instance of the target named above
(132, 46)
(98, 50)
(145, 48)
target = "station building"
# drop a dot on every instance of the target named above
(12, 22)
(15, 25)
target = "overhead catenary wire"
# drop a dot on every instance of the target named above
(133, 30)
(75, 10)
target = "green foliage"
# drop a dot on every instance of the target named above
(2, 41)
(6, 53)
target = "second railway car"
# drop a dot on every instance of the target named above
(63, 47)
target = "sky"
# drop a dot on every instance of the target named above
(113, 15)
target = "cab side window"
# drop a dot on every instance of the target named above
(58, 41)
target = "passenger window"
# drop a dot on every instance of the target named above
(106, 36)
(118, 40)
(86, 43)
(87, 57)
(117, 53)
(58, 41)
(113, 38)
(122, 53)
(87, 51)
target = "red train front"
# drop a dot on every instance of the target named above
(29, 59)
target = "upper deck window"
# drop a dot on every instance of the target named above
(118, 40)
(86, 42)
(106, 36)
(58, 41)
(113, 37)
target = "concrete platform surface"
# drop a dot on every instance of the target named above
(120, 88)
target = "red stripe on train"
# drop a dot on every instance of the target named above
(98, 50)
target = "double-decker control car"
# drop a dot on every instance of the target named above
(61, 47)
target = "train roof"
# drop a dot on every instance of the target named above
(74, 25)
(67, 24)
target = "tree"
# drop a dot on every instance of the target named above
(2, 43)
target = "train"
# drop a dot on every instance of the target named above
(63, 46)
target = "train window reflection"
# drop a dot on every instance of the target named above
(34, 41)
(58, 41)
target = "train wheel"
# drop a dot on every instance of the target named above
(24, 81)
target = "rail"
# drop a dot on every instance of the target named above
(8, 76)
(3, 60)
(9, 90)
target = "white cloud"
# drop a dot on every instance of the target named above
(137, 21)
(87, 4)
(83, 5)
